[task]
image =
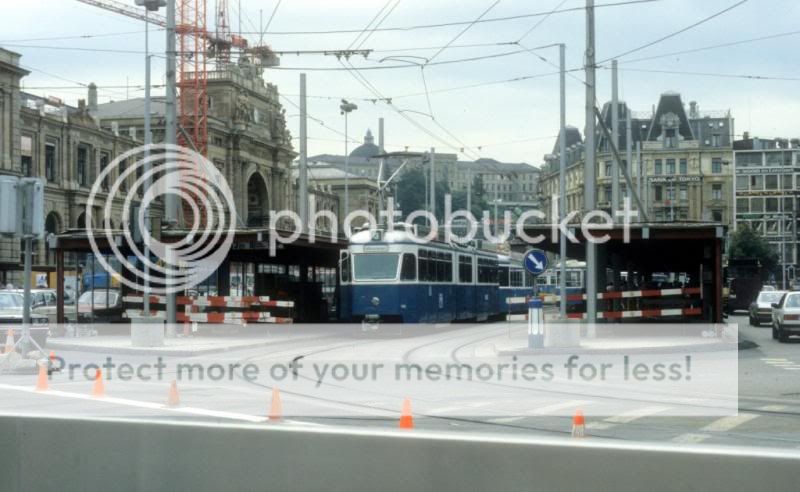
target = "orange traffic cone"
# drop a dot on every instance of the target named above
(276, 409)
(173, 399)
(578, 424)
(41, 382)
(406, 420)
(99, 389)
(9, 347)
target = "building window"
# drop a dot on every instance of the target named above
(670, 141)
(716, 192)
(756, 183)
(715, 140)
(123, 183)
(50, 161)
(683, 193)
(659, 169)
(26, 159)
(671, 193)
(742, 183)
(659, 193)
(670, 166)
(772, 204)
(104, 157)
(771, 182)
(684, 167)
(82, 165)
(716, 215)
(756, 205)
(787, 182)
(742, 205)
(716, 165)
(608, 168)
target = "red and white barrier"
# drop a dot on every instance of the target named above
(194, 308)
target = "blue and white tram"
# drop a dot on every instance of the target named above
(388, 277)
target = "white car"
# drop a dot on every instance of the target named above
(786, 317)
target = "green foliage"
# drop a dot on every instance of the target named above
(746, 243)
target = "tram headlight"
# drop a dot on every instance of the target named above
(376, 301)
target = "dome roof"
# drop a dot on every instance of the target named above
(368, 149)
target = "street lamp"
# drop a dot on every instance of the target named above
(345, 109)
(150, 6)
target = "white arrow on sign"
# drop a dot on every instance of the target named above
(538, 264)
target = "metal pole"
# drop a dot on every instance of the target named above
(346, 171)
(469, 189)
(590, 181)
(643, 188)
(380, 168)
(148, 140)
(433, 182)
(170, 135)
(629, 150)
(614, 137)
(302, 195)
(26, 303)
(562, 183)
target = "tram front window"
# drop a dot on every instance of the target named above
(381, 266)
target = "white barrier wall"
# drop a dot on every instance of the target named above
(45, 454)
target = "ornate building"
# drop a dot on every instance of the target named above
(685, 158)
(67, 147)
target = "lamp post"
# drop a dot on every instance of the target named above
(346, 108)
(149, 5)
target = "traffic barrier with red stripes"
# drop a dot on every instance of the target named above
(625, 314)
(238, 310)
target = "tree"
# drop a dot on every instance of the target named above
(747, 243)
(411, 190)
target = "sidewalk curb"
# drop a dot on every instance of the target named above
(173, 352)
(673, 349)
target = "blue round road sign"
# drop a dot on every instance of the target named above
(535, 261)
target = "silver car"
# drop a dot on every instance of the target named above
(761, 309)
(786, 316)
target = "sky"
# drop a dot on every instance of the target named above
(67, 44)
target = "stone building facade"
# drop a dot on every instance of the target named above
(67, 147)
(685, 157)
(62, 145)
(248, 139)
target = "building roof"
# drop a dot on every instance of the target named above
(368, 149)
(130, 108)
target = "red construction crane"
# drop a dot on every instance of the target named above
(195, 44)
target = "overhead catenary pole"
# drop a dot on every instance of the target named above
(302, 181)
(590, 174)
(148, 140)
(562, 183)
(170, 138)
(629, 150)
(381, 167)
(432, 183)
(614, 138)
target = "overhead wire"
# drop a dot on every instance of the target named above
(679, 31)
(457, 23)
(461, 33)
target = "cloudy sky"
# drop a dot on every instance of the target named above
(67, 44)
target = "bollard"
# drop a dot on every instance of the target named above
(535, 323)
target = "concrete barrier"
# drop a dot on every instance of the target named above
(44, 454)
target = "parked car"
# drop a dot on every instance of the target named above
(761, 309)
(11, 318)
(45, 301)
(101, 306)
(786, 316)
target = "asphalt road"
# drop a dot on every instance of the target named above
(768, 386)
